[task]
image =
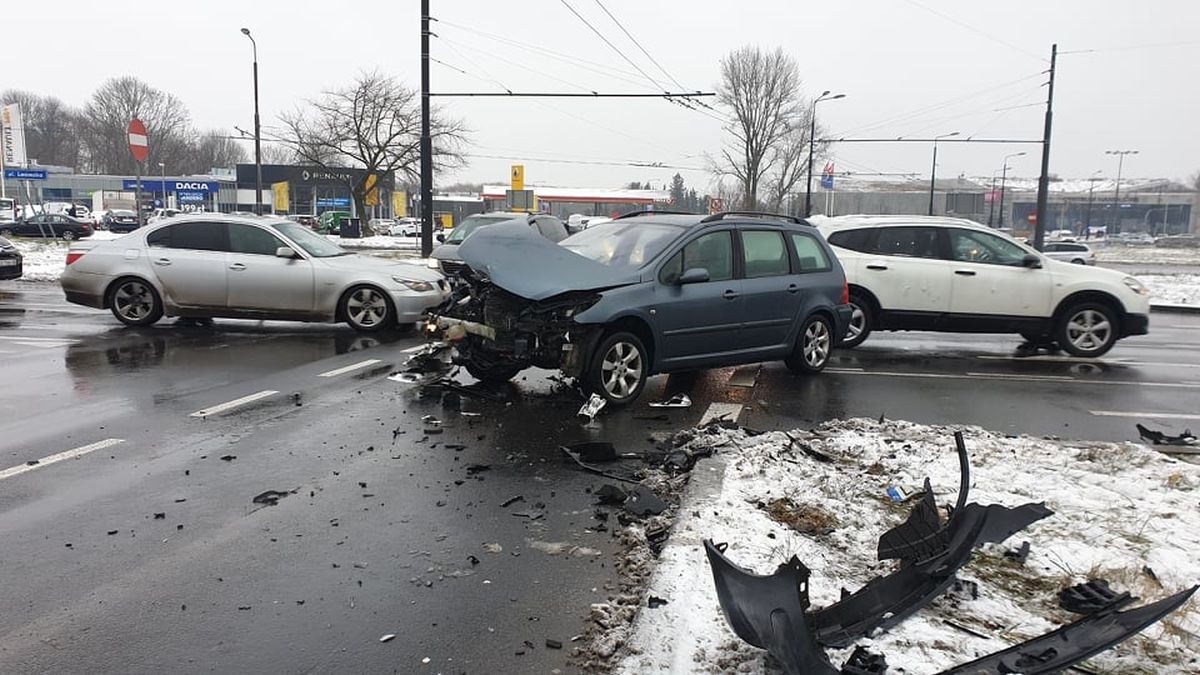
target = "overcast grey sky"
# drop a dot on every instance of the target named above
(890, 58)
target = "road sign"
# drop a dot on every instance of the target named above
(137, 140)
(25, 174)
(518, 177)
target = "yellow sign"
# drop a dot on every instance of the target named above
(518, 176)
(281, 196)
(447, 221)
(372, 191)
(399, 204)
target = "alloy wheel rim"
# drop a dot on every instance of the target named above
(621, 369)
(1089, 330)
(816, 344)
(133, 301)
(858, 319)
(366, 307)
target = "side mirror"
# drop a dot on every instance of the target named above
(285, 252)
(1031, 261)
(695, 275)
(441, 238)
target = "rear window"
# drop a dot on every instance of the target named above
(853, 240)
(193, 236)
(810, 254)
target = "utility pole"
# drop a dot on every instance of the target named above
(933, 169)
(257, 131)
(1117, 189)
(812, 139)
(992, 204)
(426, 140)
(1087, 217)
(1043, 195)
(1003, 180)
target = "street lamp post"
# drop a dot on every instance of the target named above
(1087, 215)
(812, 141)
(992, 203)
(933, 169)
(162, 175)
(1117, 189)
(1003, 179)
(257, 131)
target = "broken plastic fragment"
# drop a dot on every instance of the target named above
(593, 407)
(1092, 597)
(679, 400)
(642, 502)
(611, 494)
(385, 638)
(270, 497)
(1159, 438)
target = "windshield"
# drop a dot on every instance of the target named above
(622, 244)
(472, 223)
(312, 243)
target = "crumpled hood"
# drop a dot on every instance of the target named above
(406, 270)
(522, 262)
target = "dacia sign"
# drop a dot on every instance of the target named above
(206, 186)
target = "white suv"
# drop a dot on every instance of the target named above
(955, 275)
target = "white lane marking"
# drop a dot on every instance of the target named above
(68, 454)
(946, 376)
(1098, 362)
(229, 405)
(29, 338)
(844, 370)
(350, 368)
(42, 345)
(1144, 415)
(729, 410)
(1015, 376)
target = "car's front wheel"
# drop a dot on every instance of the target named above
(862, 319)
(619, 368)
(6, 232)
(366, 308)
(67, 235)
(813, 346)
(135, 302)
(1087, 329)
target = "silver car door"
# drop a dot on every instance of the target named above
(262, 282)
(189, 261)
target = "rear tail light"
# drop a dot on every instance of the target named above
(845, 292)
(72, 256)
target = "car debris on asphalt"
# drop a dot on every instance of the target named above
(680, 400)
(592, 407)
(270, 497)
(1187, 438)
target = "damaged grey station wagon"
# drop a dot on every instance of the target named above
(647, 293)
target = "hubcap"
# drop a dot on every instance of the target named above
(858, 319)
(133, 300)
(621, 370)
(366, 307)
(1089, 330)
(816, 344)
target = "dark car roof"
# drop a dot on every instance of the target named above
(687, 220)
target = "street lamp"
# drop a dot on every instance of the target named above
(933, 170)
(1003, 179)
(162, 174)
(1117, 190)
(812, 133)
(257, 131)
(1087, 215)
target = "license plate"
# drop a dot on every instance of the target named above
(8, 262)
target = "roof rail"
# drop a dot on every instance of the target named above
(635, 214)
(755, 214)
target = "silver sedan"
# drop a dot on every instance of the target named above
(211, 265)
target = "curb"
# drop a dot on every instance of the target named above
(1175, 309)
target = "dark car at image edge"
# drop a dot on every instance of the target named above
(11, 261)
(647, 293)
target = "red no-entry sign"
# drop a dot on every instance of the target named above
(137, 140)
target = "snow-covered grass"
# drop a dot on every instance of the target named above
(1174, 289)
(378, 242)
(1122, 512)
(1124, 253)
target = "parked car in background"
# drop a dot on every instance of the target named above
(1079, 254)
(381, 225)
(955, 275)
(405, 227)
(1060, 235)
(330, 222)
(100, 219)
(11, 261)
(120, 220)
(445, 256)
(646, 293)
(8, 208)
(210, 265)
(304, 219)
(48, 225)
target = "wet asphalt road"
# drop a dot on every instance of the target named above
(384, 523)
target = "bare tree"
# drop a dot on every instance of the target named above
(374, 124)
(213, 149)
(50, 128)
(277, 153)
(760, 91)
(105, 122)
(789, 165)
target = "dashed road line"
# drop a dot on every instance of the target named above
(1145, 415)
(350, 368)
(729, 411)
(67, 454)
(230, 405)
(1018, 378)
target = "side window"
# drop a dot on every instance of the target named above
(1051, 248)
(251, 239)
(981, 247)
(912, 242)
(713, 252)
(853, 240)
(199, 236)
(765, 254)
(161, 237)
(810, 253)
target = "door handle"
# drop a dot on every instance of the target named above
(162, 262)
(877, 267)
(793, 288)
(965, 273)
(729, 295)
(237, 267)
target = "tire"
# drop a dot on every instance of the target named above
(68, 235)
(862, 322)
(1038, 338)
(620, 367)
(1087, 329)
(135, 302)
(367, 309)
(813, 346)
(494, 374)
(1079, 261)
(6, 232)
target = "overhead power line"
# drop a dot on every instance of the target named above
(597, 162)
(975, 30)
(610, 44)
(639, 45)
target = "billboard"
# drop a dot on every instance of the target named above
(13, 140)
(280, 191)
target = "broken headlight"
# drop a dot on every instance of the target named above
(418, 286)
(1136, 286)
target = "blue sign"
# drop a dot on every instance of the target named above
(206, 186)
(827, 181)
(191, 197)
(333, 202)
(25, 174)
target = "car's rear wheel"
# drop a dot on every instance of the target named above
(1087, 329)
(6, 232)
(1079, 261)
(135, 302)
(813, 346)
(67, 235)
(862, 321)
(619, 368)
(367, 309)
